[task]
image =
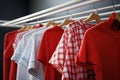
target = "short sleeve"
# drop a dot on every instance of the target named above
(43, 51)
(24, 59)
(17, 53)
(57, 59)
(87, 56)
(35, 67)
(81, 56)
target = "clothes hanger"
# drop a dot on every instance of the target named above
(50, 23)
(116, 21)
(66, 21)
(23, 27)
(117, 16)
(93, 16)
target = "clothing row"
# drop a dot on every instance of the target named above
(78, 51)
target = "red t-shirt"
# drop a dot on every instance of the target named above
(48, 45)
(101, 49)
(9, 66)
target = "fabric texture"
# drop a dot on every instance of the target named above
(28, 58)
(63, 58)
(21, 46)
(9, 66)
(48, 44)
(19, 50)
(3, 31)
(100, 50)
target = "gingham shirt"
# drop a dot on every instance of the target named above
(63, 58)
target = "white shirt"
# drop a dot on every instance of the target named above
(29, 56)
(21, 73)
(21, 45)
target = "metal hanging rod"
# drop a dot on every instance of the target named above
(43, 11)
(83, 17)
(76, 14)
(57, 11)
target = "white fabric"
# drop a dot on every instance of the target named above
(29, 55)
(22, 73)
(21, 45)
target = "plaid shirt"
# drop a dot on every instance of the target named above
(63, 59)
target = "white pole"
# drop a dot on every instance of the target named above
(64, 9)
(43, 11)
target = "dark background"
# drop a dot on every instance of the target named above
(12, 9)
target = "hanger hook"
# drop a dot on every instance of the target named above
(67, 12)
(69, 16)
(96, 11)
(113, 6)
(24, 24)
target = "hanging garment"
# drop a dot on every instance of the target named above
(20, 35)
(63, 58)
(9, 66)
(35, 68)
(18, 38)
(3, 31)
(28, 58)
(21, 46)
(100, 50)
(18, 53)
(48, 44)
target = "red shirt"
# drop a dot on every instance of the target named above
(49, 43)
(9, 66)
(101, 50)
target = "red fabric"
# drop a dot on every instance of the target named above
(9, 66)
(101, 50)
(64, 56)
(48, 45)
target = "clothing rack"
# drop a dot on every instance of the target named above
(102, 14)
(83, 17)
(51, 11)
(57, 19)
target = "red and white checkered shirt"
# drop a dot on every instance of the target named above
(63, 58)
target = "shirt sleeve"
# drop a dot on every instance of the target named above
(8, 52)
(7, 61)
(35, 67)
(87, 56)
(43, 51)
(81, 57)
(58, 57)
(18, 51)
(24, 59)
